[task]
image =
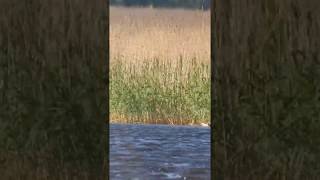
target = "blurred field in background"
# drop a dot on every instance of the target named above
(159, 65)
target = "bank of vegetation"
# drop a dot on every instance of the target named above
(159, 66)
(53, 101)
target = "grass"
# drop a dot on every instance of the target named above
(159, 94)
(160, 66)
(266, 90)
(53, 100)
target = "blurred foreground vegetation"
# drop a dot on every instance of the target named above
(266, 89)
(53, 89)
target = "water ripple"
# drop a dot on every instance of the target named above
(159, 152)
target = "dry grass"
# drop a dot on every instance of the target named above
(138, 34)
(160, 55)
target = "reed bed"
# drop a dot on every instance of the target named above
(266, 89)
(53, 100)
(159, 66)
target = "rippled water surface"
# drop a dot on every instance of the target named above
(147, 152)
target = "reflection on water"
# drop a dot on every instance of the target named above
(147, 152)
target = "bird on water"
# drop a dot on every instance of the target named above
(205, 124)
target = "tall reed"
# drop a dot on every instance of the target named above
(160, 66)
(53, 102)
(159, 93)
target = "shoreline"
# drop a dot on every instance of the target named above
(127, 121)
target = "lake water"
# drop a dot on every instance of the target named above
(156, 152)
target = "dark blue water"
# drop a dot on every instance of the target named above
(156, 152)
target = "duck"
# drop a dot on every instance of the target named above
(205, 124)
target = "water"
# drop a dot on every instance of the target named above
(156, 152)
